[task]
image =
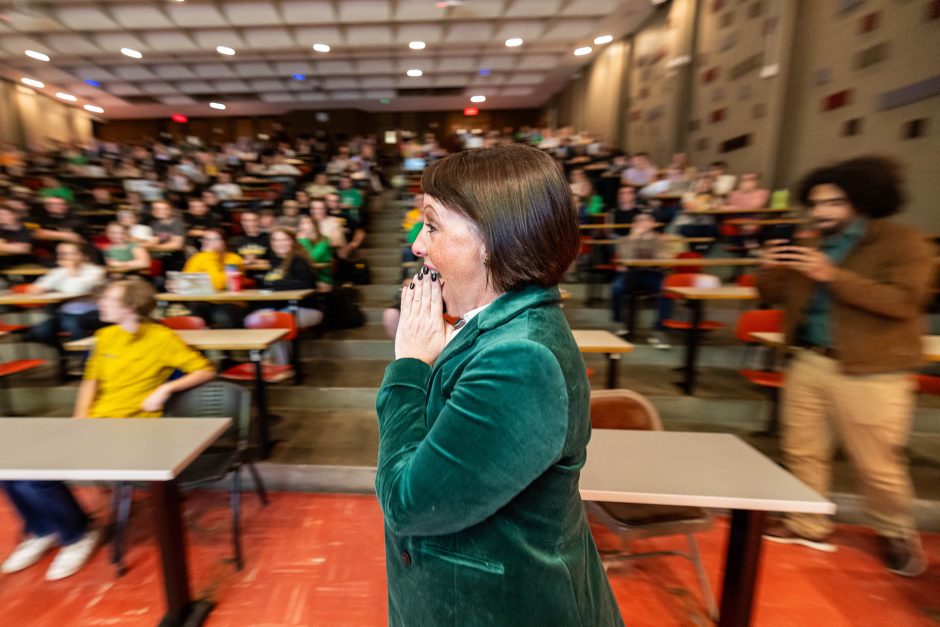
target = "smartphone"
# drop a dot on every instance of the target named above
(786, 233)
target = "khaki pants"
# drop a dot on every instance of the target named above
(871, 414)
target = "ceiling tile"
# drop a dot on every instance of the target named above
(288, 68)
(364, 10)
(188, 15)
(92, 72)
(362, 36)
(250, 70)
(469, 32)
(135, 73)
(538, 62)
(516, 91)
(251, 13)
(195, 87)
(231, 87)
(303, 85)
(450, 80)
(340, 83)
(335, 67)
(425, 64)
(375, 66)
(113, 42)
(306, 36)
(278, 97)
(528, 30)
(213, 70)
(499, 61)
(307, 12)
(141, 16)
(209, 39)
(493, 79)
(158, 89)
(378, 94)
(123, 89)
(458, 64)
(418, 11)
(177, 41)
(377, 82)
(346, 95)
(266, 84)
(269, 38)
(71, 44)
(408, 82)
(311, 96)
(567, 30)
(30, 22)
(173, 72)
(16, 44)
(86, 18)
(532, 8)
(590, 7)
(428, 33)
(478, 9)
(176, 100)
(526, 78)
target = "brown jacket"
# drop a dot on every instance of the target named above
(879, 293)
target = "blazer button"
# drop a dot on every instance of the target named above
(406, 558)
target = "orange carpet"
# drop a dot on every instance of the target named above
(318, 559)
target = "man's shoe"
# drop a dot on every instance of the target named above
(28, 552)
(904, 556)
(622, 332)
(70, 558)
(659, 341)
(781, 534)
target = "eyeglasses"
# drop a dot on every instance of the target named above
(826, 202)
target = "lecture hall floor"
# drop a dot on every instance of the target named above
(318, 560)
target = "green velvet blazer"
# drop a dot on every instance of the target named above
(479, 459)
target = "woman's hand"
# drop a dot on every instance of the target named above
(422, 332)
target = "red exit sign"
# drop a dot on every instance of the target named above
(471, 111)
(180, 118)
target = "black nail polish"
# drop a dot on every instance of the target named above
(434, 276)
(411, 287)
(426, 270)
(420, 275)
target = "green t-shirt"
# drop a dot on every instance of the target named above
(351, 197)
(413, 232)
(320, 252)
(57, 192)
(122, 253)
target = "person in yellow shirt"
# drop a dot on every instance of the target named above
(214, 259)
(126, 377)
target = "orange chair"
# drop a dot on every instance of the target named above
(23, 288)
(691, 280)
(185, 323)
(746, 280)
(690, 269)
(10, 368)
(927, 384)
(762, 321)
(271, 373)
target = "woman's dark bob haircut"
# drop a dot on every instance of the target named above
(873, 185)
(520, 201)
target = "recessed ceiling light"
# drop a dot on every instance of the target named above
(32, 83)
(64, 96)
(37, 55)
(515, 41)
(414, 73)
(93, 109)
(485, 71)
(477, 98)
(321, 47)
(298, 77)
(225, 50)
(217, 105)
(93, 83)
(603, 39)
(416, 45)
(130, 52)
(578, 52)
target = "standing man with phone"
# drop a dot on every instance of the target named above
(854, 311)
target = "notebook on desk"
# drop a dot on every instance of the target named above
(189, 283)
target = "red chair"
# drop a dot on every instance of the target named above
(690, 280)
(762, 321)
(10, 368)
(746, 280)
(185, 323)
(271, 373)
(927, 384)
(690, 269)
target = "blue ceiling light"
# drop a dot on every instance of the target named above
(484, 71)
(91, 82)
(298, 77)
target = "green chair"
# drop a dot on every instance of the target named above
(227, 456)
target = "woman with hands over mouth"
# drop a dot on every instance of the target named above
(484, 423)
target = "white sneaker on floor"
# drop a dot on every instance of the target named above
(28, 552)
(70, 558)
(658, 341)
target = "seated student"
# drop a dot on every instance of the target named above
(136, 232)
(57, 223)
(16, 242)
(355, 232)
(291, 269)
(581, 185)
(643, 242)
(216, 207)
(214, 260)
(224, 188)
(253, 244)
(77, 277)
(691, 222)
(349, 195)
(52, 188)
(330, 226)
(628, 206)
(122, 254)
(318, 248)
(290, 216)
(198, 220)
(641, 171)
(723, 182)
(168, 235)
(302, 198)
(320, 186)
(126, 377)
(749, 194)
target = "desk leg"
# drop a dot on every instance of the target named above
(691, 347)
(631, 314)
(295, 343)
(612, 360)
(741, 565)
(180, 608)
(261, 398)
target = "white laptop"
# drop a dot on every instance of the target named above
(189, 283)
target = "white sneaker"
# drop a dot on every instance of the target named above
(658, 341)
(28, 552)
(70, 558)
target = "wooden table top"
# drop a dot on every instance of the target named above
(49, 298)
(210, 339)
(728, 211)
(725, 292)
(598, 341)
(706, 262)
(244, 295)
(931, 343)
(30, 269)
